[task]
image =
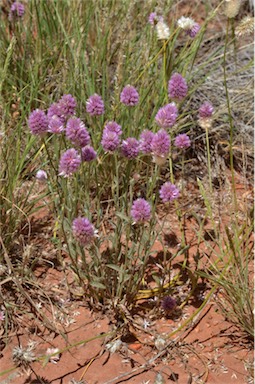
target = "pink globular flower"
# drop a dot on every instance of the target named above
(54, 110)
(140, 211)
(168, 192)
(17, 10)
(145, 141)
(69, 162)
(55, 125)
(160, 144)
(129, 96)
(67, 105)
(76, 132)
(177, 87)
(83, 231)
(41, 176)
(38, 122)
(95, 105)
(206, 110)
(110, 140)
(88, 153)
(167, 115)
(193, 31)
(182, 141)
(168, 304)
(153, 18)
(112, 126)
(130, 148)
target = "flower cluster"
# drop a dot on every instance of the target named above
(38, 122)
(145, 141)
(167, 115)
(168, 192)
(77, 133)
(110, 140)
(140, 211)
(95, 105)
(182, 141)
(88, 153)
(205, 115)
(129, 96)
(189, 26)
(177, 87)
(83, 231)
(160, 146)
(17, 10)
(163, 30)
(130, 148)
(69, 162)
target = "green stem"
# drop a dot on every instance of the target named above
(208, 159)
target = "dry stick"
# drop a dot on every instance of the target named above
(18, 284)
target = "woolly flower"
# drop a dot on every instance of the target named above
(38, 122)
(192, 32)
(163, 31)
(232, 8)
(140, 211)
(182, 141)
(88, 153)
(206, 110)
(110, 140)
(83, 230)
(168, 192)
(55, 125)
(168, 304)
(56, 355)
(54, 110)
(67, 105)
(130, 148)
(69, 162)
(245, 27)
(76, 132)
(41, 175)
(129, 96)
(185, 23)
(177, 87)
(145, 141)
(112, 126)
(95, 105)
(17, 10)
(154, 18)
(167, 115)
(160, 144)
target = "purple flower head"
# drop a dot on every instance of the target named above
(69, 162)
(182, 141)
(88, 153)
(67, 105)
(206, 110)
(145, 141)
(38, 122)
(140, 211)
(76, 132)
(168, 192)
(130, 148)
(129, 96)
(55, 125)
(177, 87)
(167, 115)
(112, 126)
(83, 230)
(160, 144)
(110, 140)
(95, 105)
(41, 175)
(54, 110)
(17, 10)
(168, 304)
(192, 32)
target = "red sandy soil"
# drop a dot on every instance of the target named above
(210, 350)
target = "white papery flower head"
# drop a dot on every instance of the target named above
(163, 31)
(185, 23)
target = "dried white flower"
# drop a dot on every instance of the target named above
(159, 379)
(245, 27)
(232, 8)
(23, 356)
(114, 346)
(163, 31)
(185, 23)
(56, 355)
(160, 343)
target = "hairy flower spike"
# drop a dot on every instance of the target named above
(245, 27)
(95, 105)
(232, 8)
(182, 141)
(163, 31)
(69, 162)
(76, 132)
(17, 10)
(88, 153)
(168, 192)
(83, 231)
(38, 122)
(130, 148)
(167, 115)
(153, 18)
(145, 141)
(129, 96)
(112, 126)
(206, 110)
(110, 140)
(185, 23)
(140, 211)
(177, 87)
(55, 125)
(194, 30)
(67, 105)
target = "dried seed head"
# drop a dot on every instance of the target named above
(232, 8)
(245, 27)
(23, 356)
